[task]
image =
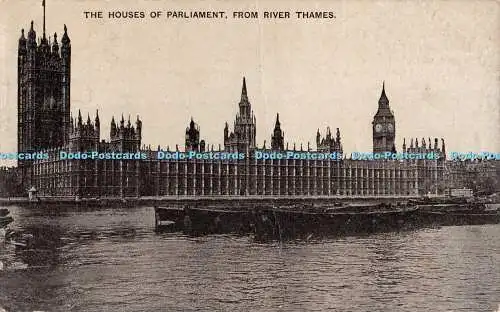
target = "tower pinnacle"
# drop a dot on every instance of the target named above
(31, 34)
(244, 96)
(383, 101)
(65, 38)
(79, 118)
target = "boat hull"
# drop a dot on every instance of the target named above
(281, 224)
(297, 222)
(202, 221)
(169, 219)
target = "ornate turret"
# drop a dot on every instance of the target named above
(97, 121)
(22, 43)
(423, 146)
(126, 138)
(192, 142)
(80, 122)
(318, 138)
(383, 125)
(329, 143)
(113, 129)
(244, 131)
(226, 132)
(277, 139)
(84, 136)
(55, 46)
(328, 134)
(32, 36)
(66, 42)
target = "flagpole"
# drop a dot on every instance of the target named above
(43, 4)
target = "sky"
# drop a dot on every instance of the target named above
(440, 61)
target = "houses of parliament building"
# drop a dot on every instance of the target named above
(45, 125)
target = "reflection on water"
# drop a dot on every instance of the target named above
(112, 260)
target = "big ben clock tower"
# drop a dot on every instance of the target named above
(383, 126)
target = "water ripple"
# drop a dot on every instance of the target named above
(112, 260)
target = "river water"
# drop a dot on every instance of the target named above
(112, 260)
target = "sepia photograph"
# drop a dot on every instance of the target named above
(249, 155)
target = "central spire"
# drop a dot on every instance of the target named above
(244, 96)
(245, 109)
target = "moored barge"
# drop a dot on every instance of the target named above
(281, 222)
(202, 221)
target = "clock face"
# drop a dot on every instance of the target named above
(390, 127)
(378, 127)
